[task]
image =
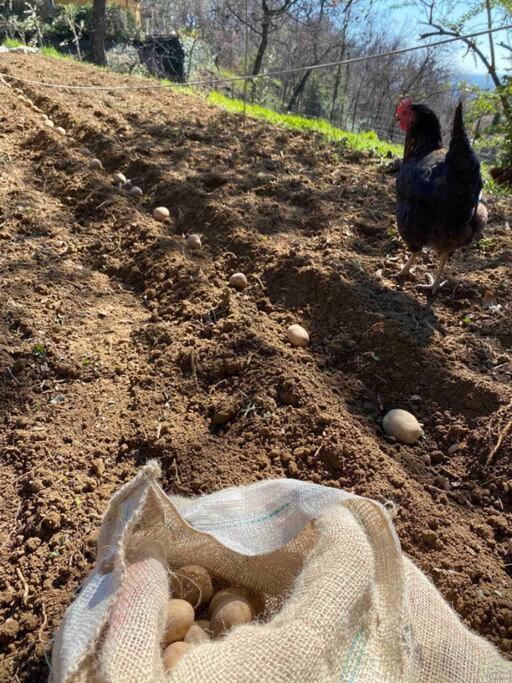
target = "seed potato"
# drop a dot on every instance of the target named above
(180, 617)
(174, 652)
(297, 335)
(161, 213)
(238, 281)
(195, 635)
(402, 425)
(194, 242)
(193, 584)
(236, 593)
(231, 613)
(119, 178)
(204, 624)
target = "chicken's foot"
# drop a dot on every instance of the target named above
(434, 283)
(407, 268)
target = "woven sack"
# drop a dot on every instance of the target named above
(343, 603)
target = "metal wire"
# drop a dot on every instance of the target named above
(268, 75)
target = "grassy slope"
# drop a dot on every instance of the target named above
(368, 141)
(359, 141)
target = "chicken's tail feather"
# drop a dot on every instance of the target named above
(463, 177)
(459, 144)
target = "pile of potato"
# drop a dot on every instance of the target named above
(198, 613)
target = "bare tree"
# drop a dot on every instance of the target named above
(291, 35)
(443, 25)
(318, 52)
(263, 22)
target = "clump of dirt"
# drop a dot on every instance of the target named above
(502, 176)
(119, 345)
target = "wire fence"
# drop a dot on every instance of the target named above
(347, 119)
(276, 94)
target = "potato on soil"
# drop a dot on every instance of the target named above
(297, 335)
(85, 151)
(174, 652)
(135, 191)
(193, 584)
(231, 613)
(49, 123)
(119, 178)
(161, 213)
(180, 617)
(194, 242)
(238, 281)
(402, 425)
(95, 164)
(60, 130)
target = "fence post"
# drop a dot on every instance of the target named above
(245, 56)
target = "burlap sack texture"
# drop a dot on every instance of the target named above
(351, 606)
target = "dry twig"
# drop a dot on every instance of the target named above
(43, 624)
(24, 584)
(501, 436)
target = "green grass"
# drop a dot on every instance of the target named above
(52, 52)
(47, 51)
(492, 187)
(39, 350)
(364, 142)
(487, 244)
(236, 86)
(9, 42)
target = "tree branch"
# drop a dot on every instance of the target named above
(440, 31)
(242, 20)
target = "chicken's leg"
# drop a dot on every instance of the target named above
(407, 268)
(435, 282)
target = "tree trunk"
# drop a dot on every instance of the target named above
(298, 91)
(345, 93)
(50, 11)
(98, 32)
(490, 35)
(262, 48)
(335, 90)
(356, 105)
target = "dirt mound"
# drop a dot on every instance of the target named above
(120, 345)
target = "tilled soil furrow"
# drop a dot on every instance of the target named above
(135, 348)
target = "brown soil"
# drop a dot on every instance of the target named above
(117, 346)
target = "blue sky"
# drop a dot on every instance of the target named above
(464, 65)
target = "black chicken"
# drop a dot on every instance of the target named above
(438, 192)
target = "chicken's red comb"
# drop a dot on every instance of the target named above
(404, 104)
